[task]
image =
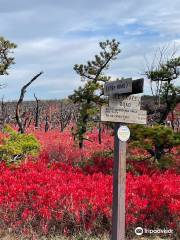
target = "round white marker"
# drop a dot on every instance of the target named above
(123, 133)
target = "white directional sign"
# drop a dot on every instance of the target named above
(118, 87)
(127, 102)
(109, 114)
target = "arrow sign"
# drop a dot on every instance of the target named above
(124, 86)
(118, 87)
(137, 86)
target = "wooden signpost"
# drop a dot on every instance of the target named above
(122, 108)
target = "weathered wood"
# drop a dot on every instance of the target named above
(124, 87)
(127, 102)
(137, 86)
(118, 87)
(46, 127)
(36, 112)
(18, 106)
(109, 114)
(119, 183)
(124, 108)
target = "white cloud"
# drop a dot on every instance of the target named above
(54, 35)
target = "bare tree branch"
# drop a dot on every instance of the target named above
(23, 91)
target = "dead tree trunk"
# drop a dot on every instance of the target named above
(37, 112)
(3, 111)
(18, 107)
(46, 128)
(29, 123)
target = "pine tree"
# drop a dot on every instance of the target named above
(166, 93)
(89, 96)
(6, 60)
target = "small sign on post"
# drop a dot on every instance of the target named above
(127, 102)
(118, 87)
(122, 108)
(109, 114)
(123, 133)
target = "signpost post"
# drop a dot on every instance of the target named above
(119, 183)
(123, 108)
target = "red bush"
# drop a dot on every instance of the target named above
(38, 195)
(60, 146)
(68, 189)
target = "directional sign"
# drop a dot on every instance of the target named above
(118, 87)
(128, 102)
(109, 114)
(137, 86)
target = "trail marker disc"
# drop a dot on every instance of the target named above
(123, 133)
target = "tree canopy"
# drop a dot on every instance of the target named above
(89, 95)
(162, 77)
(6, 58)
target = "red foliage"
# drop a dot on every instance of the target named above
(60, 146)
(99, 164)
(69, 189)
(58, 197)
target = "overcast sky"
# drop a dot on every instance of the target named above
(53, 35)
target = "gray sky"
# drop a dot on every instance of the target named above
(53, 35)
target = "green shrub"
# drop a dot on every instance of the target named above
(16, 147)
(157, 140)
